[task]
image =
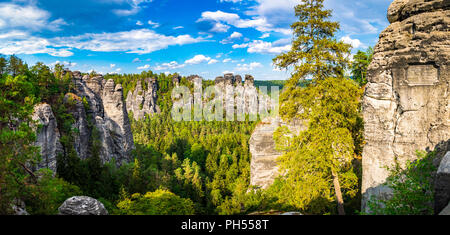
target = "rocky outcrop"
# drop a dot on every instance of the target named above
(263, 168)
(445, 211)
(143, 102)
(100, 125)
(406, 102)
(101, 116)
(442, 185)
(47, 136)
(82, 205)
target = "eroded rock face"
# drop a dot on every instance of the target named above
(142, 102)
(263, 168)
(442, 184)
(406, 102)
(106, 111)
(47, 136)
(82, 205)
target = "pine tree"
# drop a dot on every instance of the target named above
(321, 157)
(360, 64)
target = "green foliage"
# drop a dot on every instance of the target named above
(318, 164)
(360, 64)
(412, 189)
(45, 197)
(160, 202)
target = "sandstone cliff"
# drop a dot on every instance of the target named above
(406, 102)
(47, 136)
(143, 102)
(100, 116)
(263, 168)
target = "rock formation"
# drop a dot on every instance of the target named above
(47, 136)
(100, 117)
(141, 102)
(442, 185)
(82, 205)
(406, 102)
(263, 168)
(105, 110)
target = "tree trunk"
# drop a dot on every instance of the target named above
(337, 189)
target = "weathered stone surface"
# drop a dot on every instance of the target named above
(264, 169)
(446, 210)
(406, 102)
(442, 184)
(106, 112)
(47, 136)
(82, 205)
(144, 102)
(19, 207)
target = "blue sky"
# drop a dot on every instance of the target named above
(204, 37)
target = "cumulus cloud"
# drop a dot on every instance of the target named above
(169, 66)
(248, 67)
(30, 17)
(224, 19)
(231, 38)
(356, 43)
(140, 41)
(134, 7)
(263, 47)
(153, 24)
(198, 59)
(143, 67)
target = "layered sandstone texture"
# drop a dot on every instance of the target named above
(406, 102)
(100, 125)
(142, 102)
(263, 167)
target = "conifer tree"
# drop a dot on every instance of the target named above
(317, 164)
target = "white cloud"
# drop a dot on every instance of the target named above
(356, 43)
(139, 23)
(112, 65)
(231, 38)
(263, 47)
(226, 60)
(248, 67)
(178, 27)
(135, 7)
(143, 67)
(219, 28)
(198, 59)
(153, 24)
(223, 19)
(18, 42)
(169, 66)
(136, 60)
(140, 41)
(30, 17)
(213, 61)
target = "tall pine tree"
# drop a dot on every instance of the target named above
(317, 164)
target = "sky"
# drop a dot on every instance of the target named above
(203, 37)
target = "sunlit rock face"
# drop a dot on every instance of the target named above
(100, 117)
(47, 136)
(264, 168)
(406, 102)
(142, 101)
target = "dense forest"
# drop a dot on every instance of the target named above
(202, 167)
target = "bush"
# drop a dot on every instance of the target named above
(412, 189)
(160, 202)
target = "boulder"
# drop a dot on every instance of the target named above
(82, 205)
(442, 184)
(406, 102)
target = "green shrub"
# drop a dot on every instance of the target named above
(412, 189)
(160, 202)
